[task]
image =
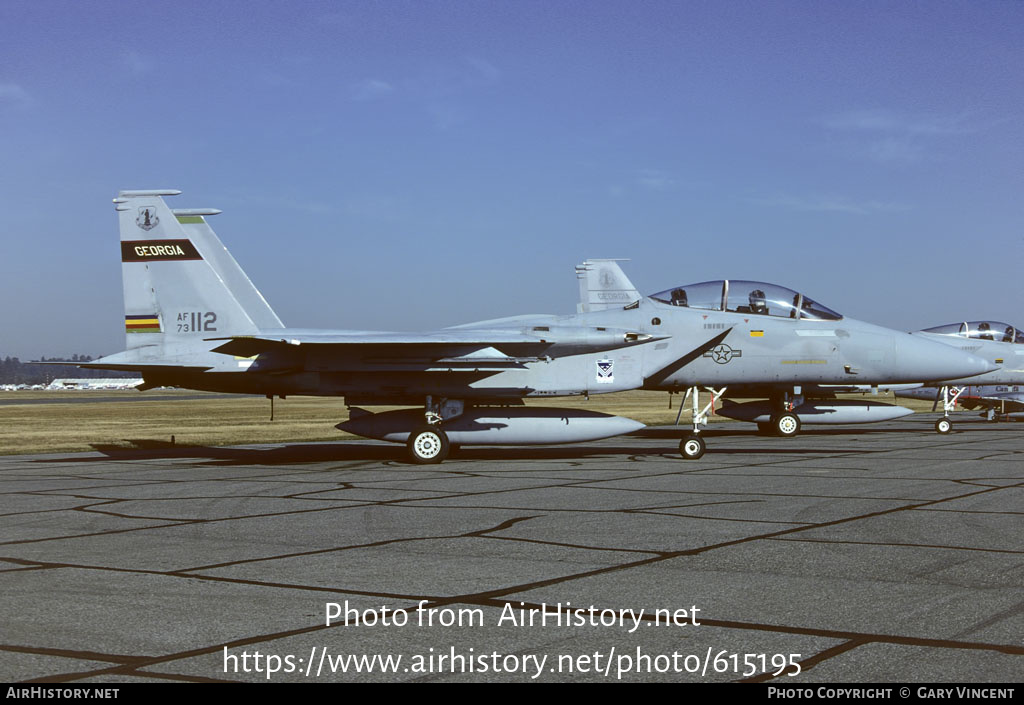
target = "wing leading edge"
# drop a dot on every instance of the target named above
(540, 342)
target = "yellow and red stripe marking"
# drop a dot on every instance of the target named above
(148, 323)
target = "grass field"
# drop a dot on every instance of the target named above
(68, 421)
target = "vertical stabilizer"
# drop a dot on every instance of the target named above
(603, 285)
(193, 222)
(180, 282)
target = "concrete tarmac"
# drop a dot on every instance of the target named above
(882, 553)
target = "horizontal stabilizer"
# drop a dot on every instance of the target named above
(142, 367)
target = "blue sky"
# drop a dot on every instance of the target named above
(412, 165)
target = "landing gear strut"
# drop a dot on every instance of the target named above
(784, 422)
(428, 444)
(692, 446)
(949, 397)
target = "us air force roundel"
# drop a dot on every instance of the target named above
(722, 353)
(605, 373)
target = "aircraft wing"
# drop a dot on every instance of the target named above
(864, 388)
(1011, 401)
(470, 345)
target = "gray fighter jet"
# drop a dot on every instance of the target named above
(193, 319)
(997, 402)
(998, 392)
(787, 405)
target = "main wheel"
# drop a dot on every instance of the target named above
(427, 445)
(786, 425)
(943, 425)
(692, 446)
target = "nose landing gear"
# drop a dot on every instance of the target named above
(692, 446)
(949, 397)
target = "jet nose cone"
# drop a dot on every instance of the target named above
(925, 361)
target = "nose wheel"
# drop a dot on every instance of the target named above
(692, 446)
(943, 425)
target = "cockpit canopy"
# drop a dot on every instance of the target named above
(747, 297)
(981, 330)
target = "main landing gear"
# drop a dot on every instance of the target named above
(428, 444)
(785, 424)
(994, 415)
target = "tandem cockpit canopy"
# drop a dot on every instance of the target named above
(738, 296)
(981, 330)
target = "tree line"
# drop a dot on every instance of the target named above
(14, 371)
